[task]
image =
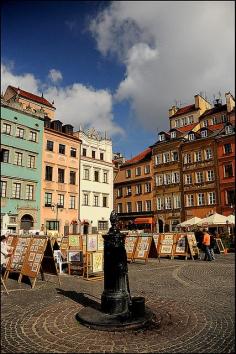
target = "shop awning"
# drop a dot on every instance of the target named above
(143, 221)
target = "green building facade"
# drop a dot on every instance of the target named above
(21, 166)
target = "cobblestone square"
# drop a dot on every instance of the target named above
(194, 299)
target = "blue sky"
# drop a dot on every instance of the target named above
(118, 66)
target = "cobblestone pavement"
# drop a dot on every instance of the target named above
(195, 300)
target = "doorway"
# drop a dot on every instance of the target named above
(27, 222)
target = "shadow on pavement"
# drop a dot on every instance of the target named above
(80, 298)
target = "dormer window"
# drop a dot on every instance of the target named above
(205, 123)
(191, 136)
(173, 134)
(161, 137)
(228, 129)
(204, 133)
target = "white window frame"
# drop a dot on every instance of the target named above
(211, 198)
(168, 203)
(72, 201)
(128, 190)
(190, 200)
(16, 190)
(31, 161)
(210, 175)
(3, 189)
(198, 156)
(204, 133)
(61, 199)
(138, 204)
(138, 171)
(188, 179)
(159, 203)
(200, 199)
(158, 159)
(18, 159)
(86, 174)
(6, 128)
(148, 205)
(148, 187)
(209, 154)
(162, 137)
(191, 137)
(199, 177)
(166, 157)
(191, 120)
(85, 199)
(119, 208)
(176, 201)
(20, 132)
(129, 207)
(33, 136)
(96, 200)
(29, 194)
(173, 135)
(228, 129)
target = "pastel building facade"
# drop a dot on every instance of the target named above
(21, 166)
(60, 180)
(96, 182)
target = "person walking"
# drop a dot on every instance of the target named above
(206, 243)
(212, 245)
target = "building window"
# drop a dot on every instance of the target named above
(129, 207)
(119, 208)
(174, 224)
(223, 118)
(190, 200)
(72, 177)
(20, 133)
(168, 203)
(105, 178)
(211, 198)
(138, 189)
(210, 175)
(158, 159)
(185, 120)
(61, 198)
(33, 136)
(148, 205)
(204, 133)
(228, 129)
(119, 192)
(16, 191)
(84, 152)
(18, 158)
(101, 156)
(187, 158)
(128, 190)
(177, 202)
(102, 225)
(159, 180)
(175, 177)
(175, 156)
(128, 173)
(49, 145)
(147, 169)
(214, 120)
(199, 177)
(3, 189)
(12, 220)
(190, 119)
(230, 197)
(72, 153)
(86, 174)
(177, 123)
(227, 149)
(93, 154)
(198, 156)
(167, 178)
(48, 199)
(191, 136)
(48, 173)
(159, 203)
(62, 149)
(173, 135)
(52, 225)
(205, 124)
(138, 171)
(228, 171)
(86, 199)
(96, 176)
(139, 206)
(29, 192)
(104, 202)
(31, 161)
(72, 202)
(208, 154)
(200, 199)
(6, 128)
(147, 187)
(166, 157)
(161, 137)
(95, 200)
(4, 155)
(188, 179)
(61, 175)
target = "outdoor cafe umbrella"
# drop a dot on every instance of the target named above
(190, 222)
(231, 219)
(213, 220)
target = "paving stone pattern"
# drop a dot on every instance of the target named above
(193, 302)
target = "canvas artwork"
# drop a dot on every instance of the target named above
(143, 245)
(166, 249)
(181, 245)
(75, 256)
(92, 243)
(35, 267)
(37, 257)
(31, 256)
(141, 253)
(74, 240)
(167, 240)
(100, 242)
(97, 262)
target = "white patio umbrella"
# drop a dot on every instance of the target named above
(190, 222)
(231, 219)
(213, 220)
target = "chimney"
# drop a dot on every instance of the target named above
(172, 111)
(230, 102)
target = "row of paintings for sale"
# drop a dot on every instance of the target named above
(87, 243)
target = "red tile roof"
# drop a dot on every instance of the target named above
(187, 127)
(32, 97)
(184, 110)
(214, 110)
(139, 157)
(216, 126)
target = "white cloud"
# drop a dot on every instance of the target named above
(55, 75)
(75, 104)
(171, 50)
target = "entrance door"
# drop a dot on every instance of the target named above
(27, 222)
(86, 226)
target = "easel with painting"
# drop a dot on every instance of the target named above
(93, 257)
(130, 246)
(142, 248)
(192, 246)
(166, 245)
(180, 246)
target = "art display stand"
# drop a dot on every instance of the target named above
(166, 245)
(142, 248)
(192, 246)
(38, 258)
(220, 245)
(180, 248)
(130, 247)
(92, 271)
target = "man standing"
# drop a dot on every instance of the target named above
(206, 244)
